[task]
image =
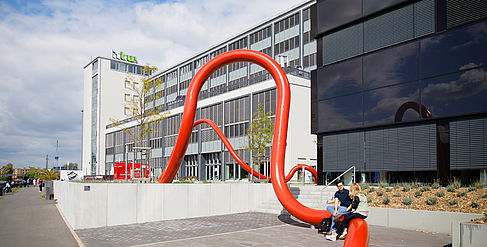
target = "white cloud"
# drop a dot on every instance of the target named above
(46, 44)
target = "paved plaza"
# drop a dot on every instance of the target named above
(29, 220)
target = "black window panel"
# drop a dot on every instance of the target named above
(340, 113)
(455, 50)
(372, 6)
(340, 79)
(459, 93)
(381, 105)
(333, 13)
(391, 66)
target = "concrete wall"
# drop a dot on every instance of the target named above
(107, 204)
(471, 235)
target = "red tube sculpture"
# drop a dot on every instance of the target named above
(425, 113)
(312, 216)
(358, 233)
(242, 163)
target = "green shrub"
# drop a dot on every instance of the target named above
(372, 189)
(475, 205)
(418, 193)
(369, 200)
(470, 189)
(388, 190)
(416, 184)
(397, 186)
(461, 194)
(431, 200)
(453, 202)
(398, 194)
(425, 188)
(406, 188)
(477, 184)
(440, 193)
(484, 195)
(386, 200)
(407, 201)
(436, 184)
(450, 188)
(383, 184)
(456, 183)
(380, 193)
(364, 186)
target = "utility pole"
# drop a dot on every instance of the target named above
(47, 160)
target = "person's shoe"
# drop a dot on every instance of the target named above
(343, 236)
(331, 237)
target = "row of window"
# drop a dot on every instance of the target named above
(236, 130)
(309, 60)
(286, 45)
(286, 23)
(239, 44)
(130, 68)
(260, 35)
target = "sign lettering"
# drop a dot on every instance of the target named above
(124, 57)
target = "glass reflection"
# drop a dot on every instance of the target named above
(391, 66)
(459, 49)
(372, 6)
(460, 93)
(333, 13)
(381, 105)
(340, 113)
(340, 79)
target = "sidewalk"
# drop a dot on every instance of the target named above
(27, 219)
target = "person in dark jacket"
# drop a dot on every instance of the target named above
(341, 202)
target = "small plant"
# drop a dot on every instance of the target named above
(440, 193)
(456, 183)
(388, 190)
(380, 193)
(372, 189)
(436, 184)
(484, 195)
(450, 188)
(406, 188)
(364, 186)
(453, 202)
(418, 193)
(474, 205)
(407, 201)
(461, 194)
(470, 189)
(386, 200)
(398, 194)
(397, 186)
(431, 200)
(383, 184)
(477, 184)
(415, 184)
(369, 200)
(425, 188)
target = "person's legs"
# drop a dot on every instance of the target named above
(346, 220)
(340, 211)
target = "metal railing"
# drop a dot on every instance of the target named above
(341, 175)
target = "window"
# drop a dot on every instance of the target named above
(334, 13)
(127, 97)
(340, 113)
(340, 79)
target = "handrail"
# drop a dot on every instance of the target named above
(339, 176)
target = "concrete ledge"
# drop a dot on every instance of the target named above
(430, 221)
(472, 235)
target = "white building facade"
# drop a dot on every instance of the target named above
(230, 98)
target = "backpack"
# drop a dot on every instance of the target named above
(324, 225)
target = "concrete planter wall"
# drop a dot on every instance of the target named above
(87, 205)
(472, 235)
(430, 221)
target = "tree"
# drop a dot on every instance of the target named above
(49, 174)
(7, 169)
(260, 134)
(33, 172)
(144, 91)
(71, 166)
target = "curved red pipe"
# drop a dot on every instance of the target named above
(425, 113)
(242, 163)
(358, 233)
(312, 216)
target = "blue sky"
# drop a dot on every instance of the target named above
(46, 44)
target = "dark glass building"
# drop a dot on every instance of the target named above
(400, 91)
